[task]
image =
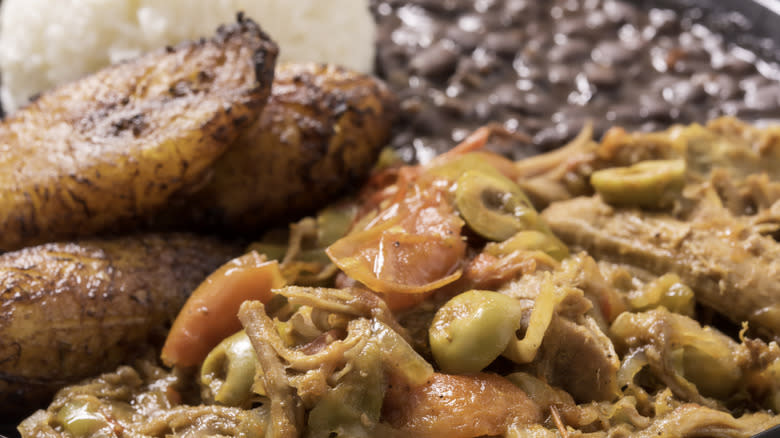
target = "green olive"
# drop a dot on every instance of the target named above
(651, 184)
(272, 251)
(701, 355)
(679, 298)
(400, 357)
(229, 371)
(530, 240)
(80, 416)
(354, 405)
(453, 169)
(494, 206)
(388, 156)
(333, 223)
(473, 329)
(668, 291)
(714, 375)
(315, 255)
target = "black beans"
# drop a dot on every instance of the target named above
(719, 86)
(438, 59)
(663, 21)
(764, 98)
(612, 53)
(545, 67)
(683, 92)
(601, 75)
(730, 63)
(624, 113)
(571, 50)
(550, 138)
(621, 12)
(573, 27)
(561, 74)
(465, 39)
(533, 103)
(655, 109)
(505, 42)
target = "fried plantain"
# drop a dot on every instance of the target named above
(320, 133)
(72, 310)
(112, 147)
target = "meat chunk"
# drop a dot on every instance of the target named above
(692, 420)
(730, 268)
(566, 343)
(576, 332)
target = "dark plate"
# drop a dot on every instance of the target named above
(770, 433)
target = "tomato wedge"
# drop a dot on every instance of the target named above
(413, 246)
(458, 406)
(210, 314)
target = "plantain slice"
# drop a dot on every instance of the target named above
(112, 147)
(320, 133)
(73, 310)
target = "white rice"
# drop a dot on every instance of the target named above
(44, 43)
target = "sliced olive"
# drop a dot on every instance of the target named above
(333, 223)
(714, 375)
(668, 291)
(701, 355)
(229, 371)
(272, 251)
(494, 206)
(388, 157)
(651, 184)
(354, 406)
(530, 240)
(453, 169)
(400, 357)
(80, 416)
(473, 329)
(679, 298)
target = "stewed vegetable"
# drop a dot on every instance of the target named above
(472, 329)
(457, 310)
(494, 206)
(650, 184)
(230, 371)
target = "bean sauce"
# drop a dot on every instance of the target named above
(545, 68)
